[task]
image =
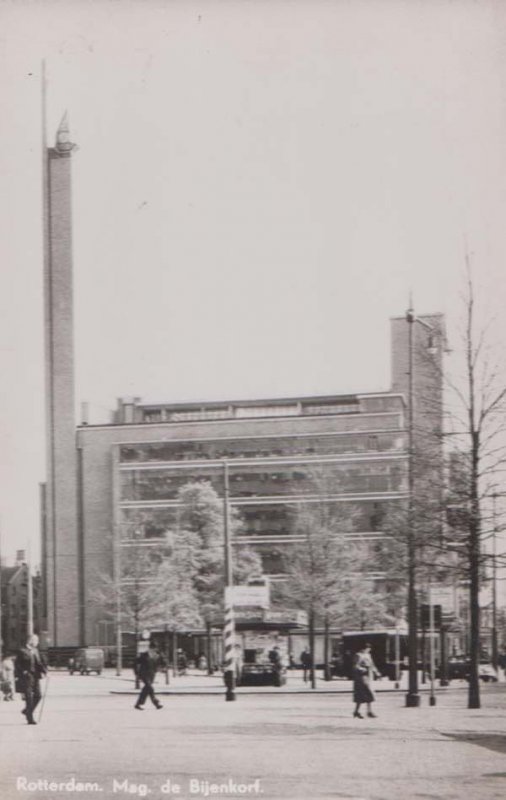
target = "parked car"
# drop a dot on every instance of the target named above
(458, 668)
(486, 672)
(86, 660)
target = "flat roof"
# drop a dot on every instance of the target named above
(327, 399)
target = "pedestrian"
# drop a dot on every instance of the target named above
(307, 663)
(238, 663)
(364, 671)
(182, 662)
(274, 656)
(29, 668)
(146, 665)
(336, 665)
(8, 678)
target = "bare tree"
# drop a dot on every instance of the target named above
(326, 571)
(479, 416)
(475, 437)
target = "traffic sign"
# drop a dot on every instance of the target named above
(248, 596)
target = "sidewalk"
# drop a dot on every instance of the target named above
(306, 744)
(198, 683)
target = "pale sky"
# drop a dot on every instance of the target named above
(258, 188)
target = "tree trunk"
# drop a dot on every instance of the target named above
(136, 634)
(474, 514)
(326, 669)
(443, 662)
(312, 649)
(166, 654)
(474, 569)
(474, 609)
(209, 648)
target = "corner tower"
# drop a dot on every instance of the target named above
(60, 545)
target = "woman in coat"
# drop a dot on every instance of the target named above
(364, 671)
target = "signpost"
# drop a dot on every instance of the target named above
(247, 596)
(229, 630)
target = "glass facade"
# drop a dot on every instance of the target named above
(261, 480)
(149, 524)
(351, 451)
(297, 445)
(269, 478)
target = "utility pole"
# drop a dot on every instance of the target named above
(1, 631)
(29, 594)
(412, 696)
(397, 657)
(229, 631)
(432, 698)
(495, 658)
(117, 587)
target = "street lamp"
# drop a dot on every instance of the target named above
(229, 631)
(495, 658)
(412, 696)
(29, 592)
(432, 696)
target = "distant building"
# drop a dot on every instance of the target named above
(14, 598)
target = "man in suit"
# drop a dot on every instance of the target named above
(307, 662)
(29, 668)
(146, 666)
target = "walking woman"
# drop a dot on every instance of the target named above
(364, 671)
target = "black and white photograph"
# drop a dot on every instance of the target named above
(253, 399)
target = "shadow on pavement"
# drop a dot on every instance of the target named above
(492, 741)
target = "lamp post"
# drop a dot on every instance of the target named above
(1, 618)
(117, 599)
(229, 630)
(412, 696)
(432, 697)
(495, 659)
(29, 593)
(397, 658)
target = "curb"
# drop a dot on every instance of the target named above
(241, 691)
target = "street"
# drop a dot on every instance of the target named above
(292, 744)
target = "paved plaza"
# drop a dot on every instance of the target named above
(290, 743)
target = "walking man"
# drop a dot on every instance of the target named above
(307, 663)
(29, 668)
(146, 666)
(182, 663)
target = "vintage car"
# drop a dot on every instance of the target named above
(86, 660)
